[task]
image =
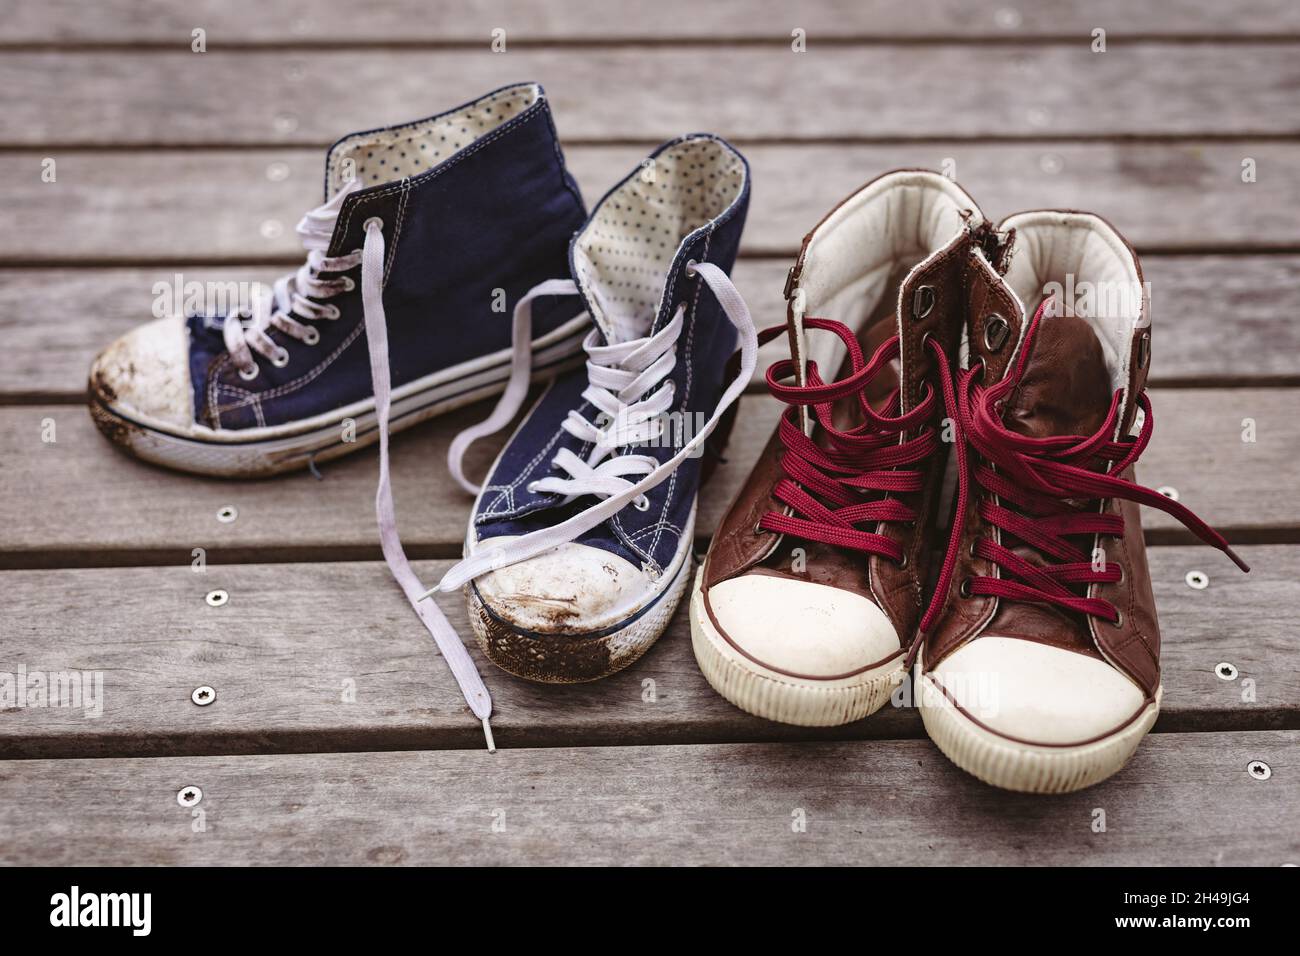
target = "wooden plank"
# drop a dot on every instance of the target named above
(185, 99)
(311, 22)
(77, 501)
(293, 638)
(1184, 799)
(1221, 320)
(214, 206)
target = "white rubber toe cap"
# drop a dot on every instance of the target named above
(800, 628)
(146, 374)
(573, 589)
(1038, 693)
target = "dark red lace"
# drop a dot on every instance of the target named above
(1054, 494)
(869, 458)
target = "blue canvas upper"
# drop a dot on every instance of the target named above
(466, 214)
(647, 538)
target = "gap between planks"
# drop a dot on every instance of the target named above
(293, 639)
(54, 321)
(138, 207)
(93, 498)
(905, 91)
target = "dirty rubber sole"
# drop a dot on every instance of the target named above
(1024, 767)
(261, 452)
(574, 658)
(780, 697)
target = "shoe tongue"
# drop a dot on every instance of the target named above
(1064, 383)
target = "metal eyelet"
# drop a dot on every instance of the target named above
(641, 503)
(690, 268)
(964, 589)
(971, 550)
(1144, 350)
(281, 358)
(996, 331)
(311, 336)
(1121, 574)
(250, 373)
(903, 561)
(365, 226)
(349, 283)
(1119, 618)
(923, 300)
(531, 488)
(334, 312)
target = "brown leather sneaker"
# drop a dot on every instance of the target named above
(1039, 667)
(812, 587)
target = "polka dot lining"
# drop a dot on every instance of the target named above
(623, 255)
(396, 153)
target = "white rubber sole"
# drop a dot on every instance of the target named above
(1020, 766)
(780, 697)
(259, 452)
(575, 658)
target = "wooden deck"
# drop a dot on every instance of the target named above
(336, 735)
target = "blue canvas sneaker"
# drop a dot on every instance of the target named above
(477, 208)
(579, 545)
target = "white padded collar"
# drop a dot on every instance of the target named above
(1094, 273)
(896, 223)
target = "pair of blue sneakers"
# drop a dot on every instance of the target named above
(579, 542)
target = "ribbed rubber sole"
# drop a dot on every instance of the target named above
(1027, 768)
(779, 697)
(572, 659)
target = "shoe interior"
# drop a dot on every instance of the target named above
(622, 256)
(1087, 266)
(397, 152)
(856, 259)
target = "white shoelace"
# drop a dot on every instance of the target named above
(620, 375)
(444, 635)
(617, 374)
(290, 294)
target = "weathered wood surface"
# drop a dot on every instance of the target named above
(1220, 320)
(294, 638)
(1184, 799)
(336, 22)
(213, 206)
(172, 161)
(77, 501)
(1034, 91)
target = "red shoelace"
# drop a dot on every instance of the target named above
(1055, 495)
(867, 460)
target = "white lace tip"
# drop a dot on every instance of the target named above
(427, 594)
(487, 732)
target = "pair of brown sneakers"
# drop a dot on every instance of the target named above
(1010, 359)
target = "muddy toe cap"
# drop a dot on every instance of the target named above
(145, 374)
(573, 589)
